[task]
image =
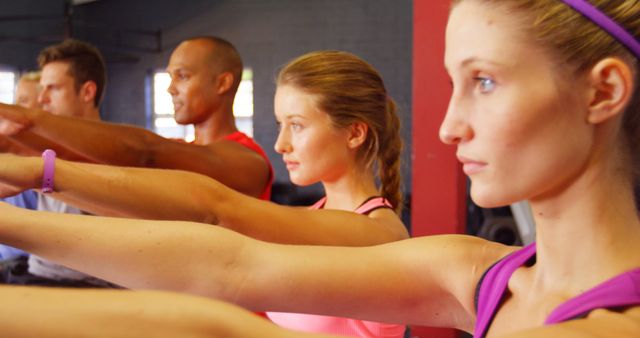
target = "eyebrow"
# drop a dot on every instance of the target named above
(474, 59)
(290, 116)
(177, 69)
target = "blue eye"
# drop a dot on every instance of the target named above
(485, 84)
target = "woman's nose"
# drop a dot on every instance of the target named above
(282, 142)
(455, 128)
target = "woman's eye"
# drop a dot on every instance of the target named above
(485, 84)
(296, 126)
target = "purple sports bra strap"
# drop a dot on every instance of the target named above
(494, 284)
(622, 290)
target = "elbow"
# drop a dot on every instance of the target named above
(143, 150)
(394, 233)
(146, 157)
(402, 233)
(208, 217)
(208, 203)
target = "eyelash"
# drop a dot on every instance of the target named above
(291, 125)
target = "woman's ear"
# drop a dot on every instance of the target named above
(611, 81)
(357, 134)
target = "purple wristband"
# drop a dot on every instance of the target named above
(49, 158)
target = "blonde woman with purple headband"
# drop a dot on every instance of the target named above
(545, 107)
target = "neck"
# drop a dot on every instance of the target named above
(219, 124)
(90, 113)
(589, 232)
(350, 190)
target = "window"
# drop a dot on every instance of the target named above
(7, 85)
(243, 104)
(163, 121)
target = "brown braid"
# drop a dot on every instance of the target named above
(389, 159)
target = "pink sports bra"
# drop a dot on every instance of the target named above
(371, 204)
(337, 325)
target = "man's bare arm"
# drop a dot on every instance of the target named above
(125, 145)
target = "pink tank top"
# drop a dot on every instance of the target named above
(337, 325)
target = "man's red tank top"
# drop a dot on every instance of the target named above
(248, 142)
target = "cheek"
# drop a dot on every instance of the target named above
(187, 92)
(200, 98)
(530, 162)
(303, 145)
(57, 99)
(310, 150)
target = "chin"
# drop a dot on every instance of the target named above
(301, 182)
(180, 119)
(490, 200)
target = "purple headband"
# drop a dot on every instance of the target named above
(606, 23)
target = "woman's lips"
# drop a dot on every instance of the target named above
(470, 166)
(291, 165)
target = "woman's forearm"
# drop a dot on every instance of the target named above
(179, 195)
(48, 312)
(140, 192)
(121, 191)
(181, 256)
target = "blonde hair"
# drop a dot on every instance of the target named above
(31, 76)
(578, 43)
(350, 90)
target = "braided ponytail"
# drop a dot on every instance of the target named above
(389, 151)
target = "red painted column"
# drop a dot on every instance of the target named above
(439, 193)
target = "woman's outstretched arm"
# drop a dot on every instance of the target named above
(180, 195)
(56, 312)
(427, 281)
